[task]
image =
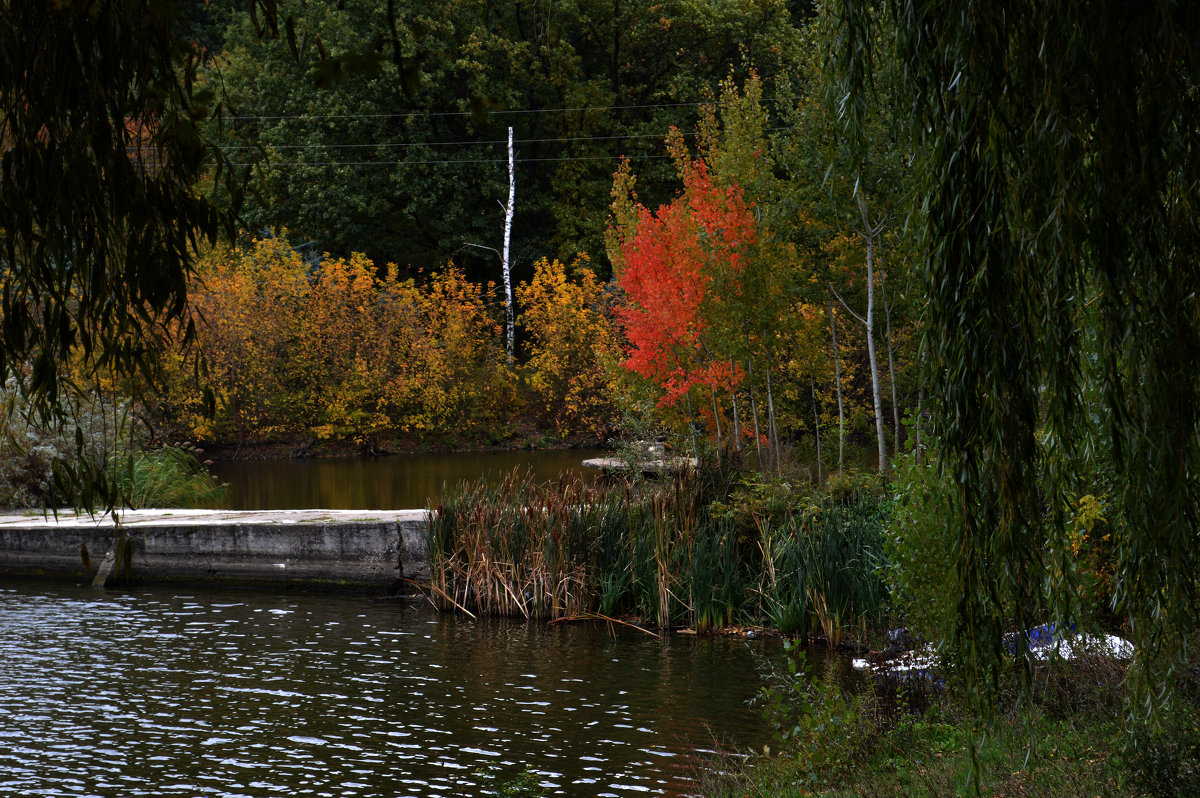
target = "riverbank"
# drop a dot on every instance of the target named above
(1070, 738)
(336, 549)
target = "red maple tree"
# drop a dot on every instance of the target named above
(681, 263)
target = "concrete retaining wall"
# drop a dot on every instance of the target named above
(285, 548)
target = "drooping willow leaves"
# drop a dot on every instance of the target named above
(101, 152)
(1061, 189)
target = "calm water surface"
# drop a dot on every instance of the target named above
(399, 482)
(250, 694)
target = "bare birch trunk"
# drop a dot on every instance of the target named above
(717, 420)
(869, 236)
(692, 427)
(816, 427)
(773, 431)
(737, 429)
(504, 264)
(920, 402)
(754, 410)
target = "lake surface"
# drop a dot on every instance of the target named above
(398, 482)
(154, 692)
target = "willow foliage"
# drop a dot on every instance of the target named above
(100, 153)
(1059, 204)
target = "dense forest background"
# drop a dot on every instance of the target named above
(364, 303)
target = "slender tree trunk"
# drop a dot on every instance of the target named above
(754, 411)
(837, 381)
(869, 236)
(692, 427)
(887, 317)
(816, 427)
(920, 402)
(737, 429)
(504, 264)
(773, 431)
(717, 419)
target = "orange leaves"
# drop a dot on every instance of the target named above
(680, 265)
(342, 349)
(573, 347)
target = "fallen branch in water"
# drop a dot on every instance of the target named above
(595, 616)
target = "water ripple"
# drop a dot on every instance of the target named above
(230, 694)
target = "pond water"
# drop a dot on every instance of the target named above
(154, 692)
(397, 482)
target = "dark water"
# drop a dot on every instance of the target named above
(381, 483)
(251, 694)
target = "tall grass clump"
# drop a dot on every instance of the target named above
(567, 548)
(171, 476)
(514, 548)
(823, 567)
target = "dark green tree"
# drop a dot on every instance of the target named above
(407, 160)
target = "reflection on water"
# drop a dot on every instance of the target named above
(399, 482)
(240, 694)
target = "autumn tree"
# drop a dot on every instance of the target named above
(249, 305)
(668, 263)
(573, 347)
(339, 349)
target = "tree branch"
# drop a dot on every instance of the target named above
(847, 307)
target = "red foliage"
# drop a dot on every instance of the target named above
(675, 262)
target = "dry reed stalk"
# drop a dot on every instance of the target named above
(830, 622)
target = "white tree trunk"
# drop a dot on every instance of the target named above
(737, 430)
(504, 265)
(920, 402)
(816, 428)
(773, 430)
(717, 419)
(692, 427)
(870, 324)
(754, 411)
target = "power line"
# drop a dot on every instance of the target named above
(454, 161)
(467, 143)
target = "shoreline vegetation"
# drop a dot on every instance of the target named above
(764, 231)
(292, 448)
(727, 548)
(700, 549)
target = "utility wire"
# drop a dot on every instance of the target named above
(467, 143)
(427, 114)
(510, 112)
(445, 161)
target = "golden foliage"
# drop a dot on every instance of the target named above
(573, 345)
(340, 349)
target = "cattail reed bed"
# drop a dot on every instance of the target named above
(693, 550)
